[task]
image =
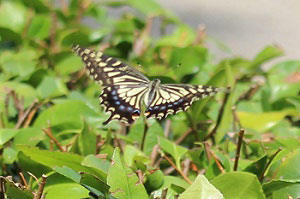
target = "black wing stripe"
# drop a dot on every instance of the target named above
(163, 105)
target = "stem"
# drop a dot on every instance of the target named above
(39, 194)
(219, 119)
(176, 168)
(48, 132)
(144, 136)
(268, 164)
(238, 149)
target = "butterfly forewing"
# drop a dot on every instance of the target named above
(107, 70)
(123, 86)
(173, 98)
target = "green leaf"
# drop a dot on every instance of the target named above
(154, 181)
(94, 184)
(182, 36)
(92, 161)
(12, 15)
(174, 150)
(13, 191)
(40, 27)
(68, 172)
(69, 64)
(188, 60)
(151, 137)
(122, 181)
(9, 155)
(66, 190)
(261, 122)
(238, 185)
(288, 169)
(29, 136)
(10, 36)
(59, 159)
(275, 185)
(283, 80)
(51, 87)
(152, 8)
(266, 54)
(6, 135)
(71, 111)
(257, 167)
(87, 140)
(132, 154)
(201, 189)
(21, 63)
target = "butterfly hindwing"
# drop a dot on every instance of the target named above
(123, 102)
(173, 98)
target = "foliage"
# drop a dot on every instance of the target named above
(51, 122)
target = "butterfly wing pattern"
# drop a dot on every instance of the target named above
(122, 86)
(174, 98)
(125, 89)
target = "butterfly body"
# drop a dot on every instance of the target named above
(125, 90)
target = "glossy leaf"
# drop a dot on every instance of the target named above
(238, 185)
(122, 181)
(200, 189)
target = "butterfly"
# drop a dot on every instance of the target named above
(125, 89)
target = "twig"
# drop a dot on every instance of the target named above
(238, 149)
(83, 5)
(206, 150)
(186, 166)
(164, 193)
(221, 111)
(183, 136)
(144, 136)
(118, 143)
(178, 170)
(25, 115)
(140, 176)
(261, 177)
(154, 154)
(53, 31)
(218, 163)
(2, 187)
(24, 182)
(1, 120)
(33, 176)
(249, 93)
(140, 45)
(30, 116)
(167, 128)
(235, 119)
(39, 194)
(200, 34)
(48, 132)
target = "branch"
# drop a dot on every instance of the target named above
(261, 177)
(183, 136)
(48, 132)
(144, 136)
(238, 149)
(219, 119)
(39, 194)
(218, 163)
(25, 115)
(24, 182)
(178, 170)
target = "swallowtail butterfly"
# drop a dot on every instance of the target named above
(125, 89)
